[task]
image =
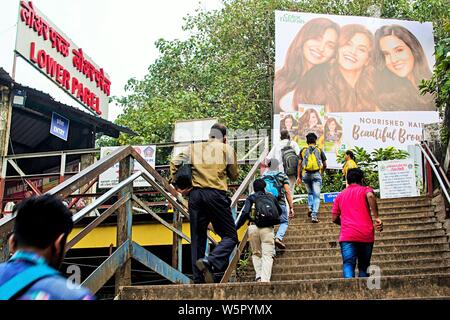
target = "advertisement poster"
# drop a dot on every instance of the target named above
(110, 177)
(352, 80)
(397, 179)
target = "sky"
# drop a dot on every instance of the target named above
(118, 35)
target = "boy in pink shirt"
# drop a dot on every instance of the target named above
(351, 210)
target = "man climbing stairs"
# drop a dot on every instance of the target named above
(411, 259)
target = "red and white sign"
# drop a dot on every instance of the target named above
(50, 51)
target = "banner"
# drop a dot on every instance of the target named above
(352, 80)
(110, 177)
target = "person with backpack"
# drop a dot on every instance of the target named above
(277, 183)
(313, 163)
(352, 210)
(38, 246)
(263, 212)
(208, 165)
(287, 153)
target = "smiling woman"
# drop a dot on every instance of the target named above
(314, 45)
(402, 64)
(347, 85)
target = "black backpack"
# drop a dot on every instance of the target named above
(267, 214)
(290, 160)
(183, 177)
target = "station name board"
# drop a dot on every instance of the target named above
(50, 51)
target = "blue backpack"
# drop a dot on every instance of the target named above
(273, 186)
(11, 288)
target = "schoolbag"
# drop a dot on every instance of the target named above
(290, 160)
(273, 186)
(20, 282)
(183, 177)
(312, 160)
(267, 214)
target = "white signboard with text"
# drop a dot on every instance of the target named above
(397, 179)
(42, 44)
(110, 177)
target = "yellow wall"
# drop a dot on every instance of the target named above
(143, 234)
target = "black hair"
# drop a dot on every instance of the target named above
(355, 175)
(218, 131)
(350, 154)
(259, 185)
(284, 134)
(40, 221)
(274, 164)
(311, 138)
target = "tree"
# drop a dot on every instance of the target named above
(225, 68)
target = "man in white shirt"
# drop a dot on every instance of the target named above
(277, 153)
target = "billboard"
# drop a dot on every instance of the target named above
(110, 177)
(351, 80)
(43, 45)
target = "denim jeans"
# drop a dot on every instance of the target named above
(353, 252)
(313, 183)
(284, 222)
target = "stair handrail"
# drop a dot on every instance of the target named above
(234, 258)
(119, 262)
(432, 161)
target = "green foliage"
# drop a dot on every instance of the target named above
(439, 84)
(225, 68)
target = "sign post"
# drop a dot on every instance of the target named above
(59, 126)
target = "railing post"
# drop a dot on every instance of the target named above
(174, 237)
(124, 223)
(62, 168)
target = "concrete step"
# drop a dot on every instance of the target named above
(385, 235)
(337, 274)
(425, 285)
(326, 217)
(382, 207)
(335, 257)
(326, 244)
(317, 229)
(386, 249)
(387, 220)
(405, 201)
(312, 266)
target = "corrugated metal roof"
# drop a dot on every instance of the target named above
(101, 125)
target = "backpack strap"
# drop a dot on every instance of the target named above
(25, 279)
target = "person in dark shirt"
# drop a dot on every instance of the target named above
(261, 238)
(38, 246)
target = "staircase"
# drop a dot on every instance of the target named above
(413, 254)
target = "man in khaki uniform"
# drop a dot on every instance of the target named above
(211, 162)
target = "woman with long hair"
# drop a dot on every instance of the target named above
(288, 123)
(332, 131)
(315, 44)
(309, 122)
(347, 85)
(402, 64)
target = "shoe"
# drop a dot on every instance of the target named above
(279, 244)
(205, 267)
(258, 279)
(315, 220)
(309, 213)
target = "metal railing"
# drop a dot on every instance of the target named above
(119, 262)
(437, 169)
